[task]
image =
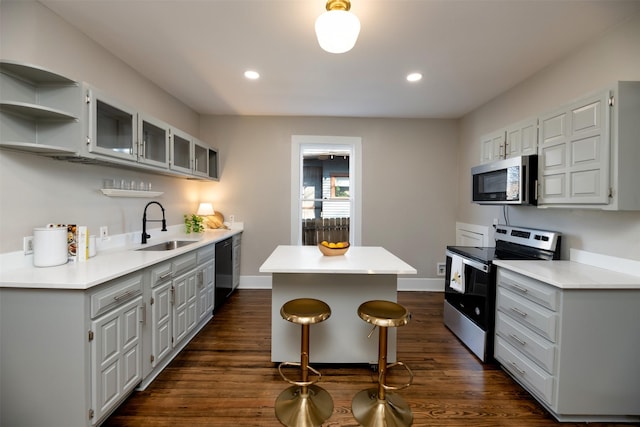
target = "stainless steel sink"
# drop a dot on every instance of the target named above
(167, 246)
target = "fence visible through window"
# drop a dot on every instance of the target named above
(315, 230)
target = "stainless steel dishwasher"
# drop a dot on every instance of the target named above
(224, 272)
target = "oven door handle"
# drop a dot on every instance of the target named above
(472, 263)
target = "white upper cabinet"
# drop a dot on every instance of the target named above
(574, 148)
(589, 151)
(518, 139)
(40, 111)
(44, 113)
(625, 150)
(111, 126)
(153, 141)
(492, 146)
(522, 138)
(181, 151)
(200, 159)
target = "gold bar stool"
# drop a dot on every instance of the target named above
(378, 407)
(304, 403)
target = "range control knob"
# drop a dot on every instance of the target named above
(477, 310)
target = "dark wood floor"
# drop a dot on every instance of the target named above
(225, 377)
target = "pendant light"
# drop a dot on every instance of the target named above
(337, 29)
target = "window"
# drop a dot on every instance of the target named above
(339, 186)
(325, 196)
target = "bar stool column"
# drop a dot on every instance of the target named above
(380, 407)
(304, 404)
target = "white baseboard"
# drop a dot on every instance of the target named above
(404, 284)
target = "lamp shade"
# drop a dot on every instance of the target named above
(337, 30)
(205, 209)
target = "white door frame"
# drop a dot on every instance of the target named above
(355, 177)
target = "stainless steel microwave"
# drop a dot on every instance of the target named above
(510, 181)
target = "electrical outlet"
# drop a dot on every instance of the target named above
(27, 245)
(441, 268)
(232, 218)
(104, 232)
(495, 222)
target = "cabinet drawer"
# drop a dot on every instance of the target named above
(540, 350)
(208, 253)
(527, 313)
(115, 293)
(531, 289)
(160, 273)
(540, 382)
(184, 263)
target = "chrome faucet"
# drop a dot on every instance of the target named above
(145, 236)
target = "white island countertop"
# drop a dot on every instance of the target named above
(357, 260)
(572, 275)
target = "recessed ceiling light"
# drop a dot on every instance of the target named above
(252, 75)
(414, 77)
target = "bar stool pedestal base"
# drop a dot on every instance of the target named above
(294, 408)
(370, 411)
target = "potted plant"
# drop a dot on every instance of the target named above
(193, 223)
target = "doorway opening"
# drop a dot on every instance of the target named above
(326, 184)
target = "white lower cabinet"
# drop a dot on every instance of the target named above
(181, 301)
(184, 306)
(116, 355)
(575, 350)
(205, 278)
(161, 333)
(97, 344)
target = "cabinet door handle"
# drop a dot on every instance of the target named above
(519, 312)
(518, 370)
(201, 278)
(173, 295)
(125, 295)
(520, 288)
(165, 275)
(517, 339)
(143, 313)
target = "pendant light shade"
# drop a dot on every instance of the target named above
(337, 29)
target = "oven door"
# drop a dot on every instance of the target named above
(477, 302)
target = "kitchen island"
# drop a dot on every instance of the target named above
(344, 282)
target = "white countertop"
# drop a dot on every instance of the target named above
(357, 260)
(572, 275)
(17, 271)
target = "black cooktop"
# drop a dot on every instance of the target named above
(483, 255)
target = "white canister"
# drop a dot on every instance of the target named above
(50, 246)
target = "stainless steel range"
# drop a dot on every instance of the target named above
(470, 284)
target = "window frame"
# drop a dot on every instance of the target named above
(354, 144)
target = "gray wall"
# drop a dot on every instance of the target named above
(614, 56)
(415, 221)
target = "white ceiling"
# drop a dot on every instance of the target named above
(469, 51)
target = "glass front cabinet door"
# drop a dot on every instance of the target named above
(213, 164)
(153, 141)
(181, 148)
(200, 159)
(111, 127)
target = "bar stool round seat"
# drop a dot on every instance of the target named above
(379, 406)
(304, 403)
